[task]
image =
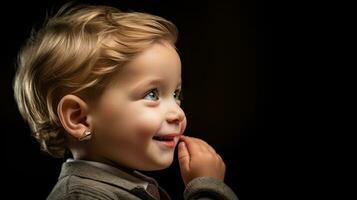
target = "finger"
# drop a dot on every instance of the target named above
(192, 145)
(206, 146)
(200, 143)
(183, 157)
(219, 157)
(223, 165)
(210, 148)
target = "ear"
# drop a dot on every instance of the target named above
(73, 114)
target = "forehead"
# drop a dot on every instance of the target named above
(159, 61)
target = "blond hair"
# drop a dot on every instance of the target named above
(76, 52)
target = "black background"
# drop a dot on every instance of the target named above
(225, 49)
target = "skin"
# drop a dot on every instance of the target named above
(142, 101)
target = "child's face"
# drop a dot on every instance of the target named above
(141, 102)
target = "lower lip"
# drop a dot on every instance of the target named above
(170, 144)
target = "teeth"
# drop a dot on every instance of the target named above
(163, 138)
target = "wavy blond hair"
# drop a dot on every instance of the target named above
(75, 52)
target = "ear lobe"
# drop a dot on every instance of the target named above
(73, 112)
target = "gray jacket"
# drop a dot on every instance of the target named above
(82, 181)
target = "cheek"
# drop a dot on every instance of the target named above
(128, 121)
(147, 123)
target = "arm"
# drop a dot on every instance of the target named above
(202, 171)
(204, 188)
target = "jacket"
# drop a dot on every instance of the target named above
(82, 181)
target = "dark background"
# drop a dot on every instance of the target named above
(225, 48)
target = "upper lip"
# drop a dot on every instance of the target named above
(170, 135)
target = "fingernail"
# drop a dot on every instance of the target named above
(181, 144)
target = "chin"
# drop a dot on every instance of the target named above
(159, 165)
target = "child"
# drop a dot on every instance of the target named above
(105, 85)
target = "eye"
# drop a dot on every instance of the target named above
(178, 95)
(152, 95)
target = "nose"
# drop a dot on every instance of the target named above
(175, 115)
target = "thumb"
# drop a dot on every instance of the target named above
(183, 157)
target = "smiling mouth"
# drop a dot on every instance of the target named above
(164, 138)
(168, 141)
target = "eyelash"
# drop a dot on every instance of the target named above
(179, 97)
(155, 92)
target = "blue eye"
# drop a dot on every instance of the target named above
(178, 95)
(151, 95)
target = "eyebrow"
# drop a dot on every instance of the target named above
(151, 82)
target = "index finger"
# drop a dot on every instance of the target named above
(192, 146)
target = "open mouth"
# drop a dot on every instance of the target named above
(163, 138)
(168, 141)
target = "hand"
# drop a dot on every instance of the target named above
(198, 159)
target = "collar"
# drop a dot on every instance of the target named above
(132, 176)
(109, 175)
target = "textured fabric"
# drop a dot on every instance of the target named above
(82, 181)
(149, 184)
(153, 190)
(79, 180)
(124, 173)
(208, 188)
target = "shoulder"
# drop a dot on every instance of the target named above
(85, 193)
(208, 188)
(74, 187)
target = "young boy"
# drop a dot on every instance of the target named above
(105, 85)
